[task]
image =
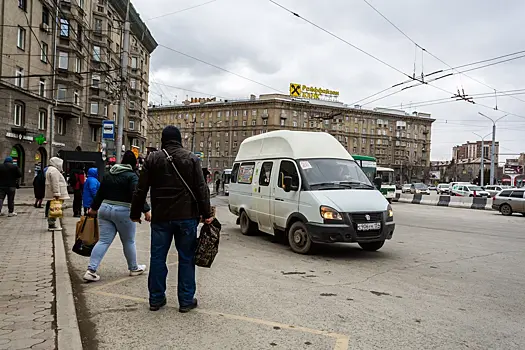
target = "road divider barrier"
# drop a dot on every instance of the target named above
(446, 201)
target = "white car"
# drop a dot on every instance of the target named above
(419, 188)
(495, 189)
(406, 188)
(443, 189)
(469, 191)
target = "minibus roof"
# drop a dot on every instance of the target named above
(291, 144)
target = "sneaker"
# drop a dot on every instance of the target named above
(139, 271)
(2, 214)
(54, 228)
(188, 308)
(156, 307)
(12, 214)
(90, 276)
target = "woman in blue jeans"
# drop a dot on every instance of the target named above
(112, 204)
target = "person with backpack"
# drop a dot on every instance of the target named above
(90, 189)
(76, 181)
(10, 175)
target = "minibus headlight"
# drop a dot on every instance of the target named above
(330, 214)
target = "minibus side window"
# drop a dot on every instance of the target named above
(245, 175)
(288, 168)
(235, 173)
(266, 173)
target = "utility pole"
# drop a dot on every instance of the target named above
(193, 132)
(482, 164)
(493, 152)
(123, 86)
(53, 91)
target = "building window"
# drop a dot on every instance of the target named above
(19, 80)
(98, 25)
(94, 133)
(43, 53)
(105, 111)
(244, 113)
(78, 65)
(265, 122)
(131, 104)
(133, 62)
(42, 87)
(131, 125)
(133, 83)
(283, 121)
(294, 124)
(244, 123)
(61, 92)
(94, 108)
(235, 113)
(254, 122)
(219, 114)
(61, 126)
(63, 60)
(96, 53)
(45, 15)
(95, 80)
(254, 112)
(234, 144)
(18, 117)
(76, 98)
(64, 28)
(21, 40)
(227, 114)
(22, 4)
(42, 120)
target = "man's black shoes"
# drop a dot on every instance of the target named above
(188, 308)
(156, 307)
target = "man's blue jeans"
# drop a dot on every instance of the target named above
(185, 234)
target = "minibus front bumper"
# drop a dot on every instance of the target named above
(351, 229)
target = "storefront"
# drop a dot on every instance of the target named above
(28, 153)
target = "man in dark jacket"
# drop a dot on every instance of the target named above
(10, 174)
(175, 214)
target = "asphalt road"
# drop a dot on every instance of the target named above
(449, 279)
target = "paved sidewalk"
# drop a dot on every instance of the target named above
(27, 311)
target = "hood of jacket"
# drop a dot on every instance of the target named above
(8, 159)
(92, 172)
(120, 168)
(56, 162)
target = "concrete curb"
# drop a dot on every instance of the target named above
(448, 201)
(67, 323)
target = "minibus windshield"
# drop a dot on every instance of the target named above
(333, 173)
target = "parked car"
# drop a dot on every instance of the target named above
(443, 189)
(469, 191)
(406, 188)
(495, 189)
(419, 188)
(510, 201)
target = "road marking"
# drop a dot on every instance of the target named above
(341, 340)
(108, 284)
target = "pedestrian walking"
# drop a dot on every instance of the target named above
(56, 187)
(175, 215)
(39, 188)
(217, 185)
(90, 189)
(10, 175)
(112, 204)
(76, 181)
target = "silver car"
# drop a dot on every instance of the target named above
(495, 189)
(510, 201)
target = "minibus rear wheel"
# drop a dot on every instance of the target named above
(248, 227)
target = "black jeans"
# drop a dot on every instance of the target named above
(77, 202)
(10, 193)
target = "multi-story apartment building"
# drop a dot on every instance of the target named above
(472, 150)
(217, 128)
(71, 71)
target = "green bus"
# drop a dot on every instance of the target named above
(369, 166)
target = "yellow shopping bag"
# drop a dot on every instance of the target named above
(55, 209)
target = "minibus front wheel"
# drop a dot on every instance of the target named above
(299, 239)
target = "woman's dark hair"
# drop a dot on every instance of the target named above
(130, 159)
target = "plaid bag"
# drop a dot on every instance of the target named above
(208, 244)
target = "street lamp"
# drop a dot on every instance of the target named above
(492, 156)
(482, 165)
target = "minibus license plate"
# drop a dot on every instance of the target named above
(369, 226)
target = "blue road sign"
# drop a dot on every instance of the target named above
(108, 129)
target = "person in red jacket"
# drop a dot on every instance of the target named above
(76, 181)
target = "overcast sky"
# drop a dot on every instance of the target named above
(260, 41)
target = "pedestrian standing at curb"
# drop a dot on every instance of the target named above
(39, 188)
(90, 188)
(112, 204)
(56, 187)
(76, 181)
(10, 175)
(175, 215)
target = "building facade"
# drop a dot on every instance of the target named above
(60, 82)
(217, 128)
(472, 150)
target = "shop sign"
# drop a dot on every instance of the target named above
(58, 144)
(37, 156)
(14, 153)
(19, 136)
(41, 139)
(312, 92)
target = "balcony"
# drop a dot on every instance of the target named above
(68, 110)
(95, 119)
(132, 134)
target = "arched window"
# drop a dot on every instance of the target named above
(19, 113)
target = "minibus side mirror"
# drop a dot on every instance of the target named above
(287, 183)
(378, 182)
